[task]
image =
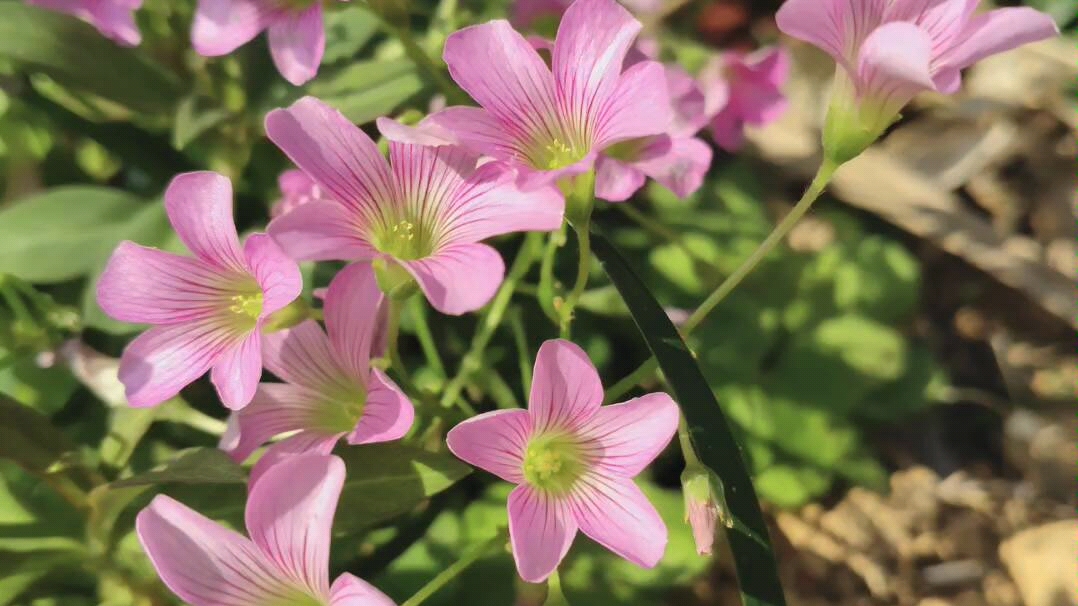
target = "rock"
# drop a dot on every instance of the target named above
(1043, 561)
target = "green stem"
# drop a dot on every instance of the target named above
(419, 56)
(16, 304)
(583, 267)
(819, 183)
(636, 377)
(392, 336)
(470, 557)
(524, 359)
(426, 338)
(545, 292)
(687, 450)
(493, 317)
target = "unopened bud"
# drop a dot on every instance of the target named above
(705, 506)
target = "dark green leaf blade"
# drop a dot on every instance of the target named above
(191, 466)
(716, 445)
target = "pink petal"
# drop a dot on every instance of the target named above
(148, 286)
(352, 313)
(592, 40)
(471, 127)
(304, 442)
(628, 436)
(202, 562)
(199, 206)
(294, 183)
(297, 43)
(491, 204)
(504, 74)
(524, 13)
(541, 530)
(716, 86)
(998, 31)
(895, 65)
(759, 93)
(302, 355)
(916, 10)
(322, 230)
(290, 514)
(334, 152)
(835, 26)
(165, 359)
(680, 166)
(427, 132)
(688, 102)
(275, 272)
(348, 590)
(116, 20)
(222, 26)
(494, 442)
(728, 129)
(639, 106)
(566, 390)
(387, 415)
(614, 513)
(615, 180)
(459, 278)
(276, 408)
(237, 370)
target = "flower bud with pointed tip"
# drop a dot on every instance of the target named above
(704, 506)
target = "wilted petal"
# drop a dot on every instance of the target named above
(387, 415)
(459, 278)
(627, 437)
(638, 107)
(541, 530)
(297, 43)
(222, 26)
(494, 442)
(165, 359)
(322, 230)
(615, 180)
(616, 514)
(290, 514)
(199, 206)
(237, 370)
(202, 562)
(566, 390)
(352, 591)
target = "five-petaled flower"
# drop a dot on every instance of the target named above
(331, 391)
(297, 35)
(574, 462)
(115, 19)
(426, 211)
(549, 124)
(887, 51)
(285, 562)
(208, 310)
(744, 90)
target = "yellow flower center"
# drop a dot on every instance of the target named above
(405, 240)
(554, 463)
(246, 305)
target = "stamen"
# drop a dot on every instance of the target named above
(405, 240)
(247, 305)
(554, 463)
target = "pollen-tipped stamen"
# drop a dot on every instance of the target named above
(554, 463)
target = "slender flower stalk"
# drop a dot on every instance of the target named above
(285, 562)
(887, 51)
(330, 389)
(573, 461)
(115, 19)
(419, 217)
(207, 311)
(297, 35)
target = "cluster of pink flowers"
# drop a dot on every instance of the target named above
(463, 175)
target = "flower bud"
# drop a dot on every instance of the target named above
(704, 506)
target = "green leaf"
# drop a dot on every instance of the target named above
(32, 517)
(43, 389)
(788, 486)
(754, 557)
(64, 232)
(348, 30)
(366, 90)
(76, 55)
(29, 439)
(192, 121)
(191, 466)
(19, 572)
(386, 480)
(126, 426)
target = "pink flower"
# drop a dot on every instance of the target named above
(676, 159)
(574, 462)
(115, 19)
(424, 212)
(297, 35)
(704, 506)
(285, 561)
(550, 125)
(296, 189)
(744, 90)
(207, 311)
(890, 50)
(330, 389)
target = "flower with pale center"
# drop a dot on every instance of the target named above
(115, 19)
(208, 310)
(285, 562)
(573, 461)
(887, 51)
(297, 34)
(423, 214)
(296, 189)
(552, 122)
(330, 389)
(744, 90)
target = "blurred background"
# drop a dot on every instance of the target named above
(902, 375)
